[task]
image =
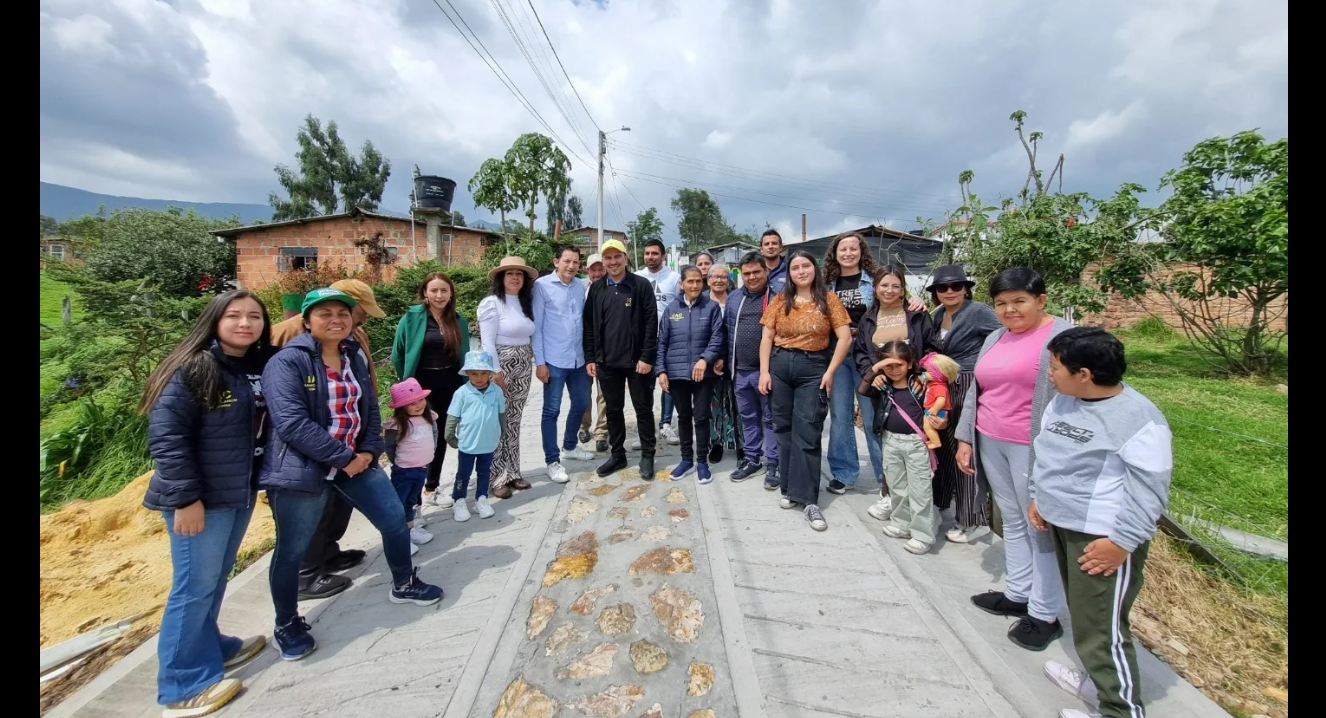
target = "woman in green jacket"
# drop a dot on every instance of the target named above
(431, 341)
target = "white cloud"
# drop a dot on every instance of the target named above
(1107, 126)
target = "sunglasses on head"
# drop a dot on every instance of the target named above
(955, 287)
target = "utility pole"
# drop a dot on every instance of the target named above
(603, 150)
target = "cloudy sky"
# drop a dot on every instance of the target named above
(851, 111)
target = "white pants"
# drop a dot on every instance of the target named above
(1031, 572)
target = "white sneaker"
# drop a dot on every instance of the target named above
(786, 503)
(668, 434)
(915, 546)
(882, 509)
(635, 444)
(414, 548)
(482, 508)
(419, 520)
(894, 532)
(958, 534)
(442, 499)
(557, 474)
(419, 535)
(577, 454)
(1075, 713)
(1073, 681)
(460, 511)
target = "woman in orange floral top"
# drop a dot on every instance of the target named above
(796, 372)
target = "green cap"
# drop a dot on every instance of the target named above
(326, 294)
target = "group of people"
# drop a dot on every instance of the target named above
(771, 360)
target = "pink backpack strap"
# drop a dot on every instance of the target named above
(934, 461)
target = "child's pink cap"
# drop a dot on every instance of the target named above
(406, 393)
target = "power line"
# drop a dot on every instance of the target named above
(683, 160)
(559, 64)
(608, 159)
(501, 74)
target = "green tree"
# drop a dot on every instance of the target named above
(558, 207)
(575, 212)
(49, 226)
(329, 176)
(457, 219)
(1225, 246)
(536, 168)
(171, 250)
(644, 227)
(699, 219)
(490, 188)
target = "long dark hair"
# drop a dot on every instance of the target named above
(402, 416)
(203, 373)
(832, 271)
(900, 350)
(817, 289)
(526, 293)
(449, 325)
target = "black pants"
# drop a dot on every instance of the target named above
(443, 384)
(613, 382)
(799, 407)
(325, 543)
(692, 399)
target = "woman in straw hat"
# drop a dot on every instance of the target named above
(506, 328)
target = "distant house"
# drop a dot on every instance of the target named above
(731, 253)
(916, 254)
(586, 239)
(263, 251)
(61, 249)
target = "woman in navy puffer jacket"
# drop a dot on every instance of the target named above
(207, 424)
(691, 338)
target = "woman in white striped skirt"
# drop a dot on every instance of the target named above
(506, 327)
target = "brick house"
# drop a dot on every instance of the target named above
(1124, 313)
(263, 251)
(586, 239)
(60, 249)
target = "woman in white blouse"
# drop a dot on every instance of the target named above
(506, 326)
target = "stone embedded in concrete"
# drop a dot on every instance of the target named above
(703, 713)
(702, 679)
(620, 534)
(522, 700)
(648, 657)
(663, 561)
(679, 611)
(635, 492)
(576, 557)
(610, 703)
(656, 533)
(618, 512)
(648, 511)
(617, 619)
(598, 662)
(675, 496)
(579, 509)
(603, 490)
(679, 515)
(562, 638)
(585, 604)
(663, 475)
(654, 711)
(539, 615)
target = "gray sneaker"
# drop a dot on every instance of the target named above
(816, 518)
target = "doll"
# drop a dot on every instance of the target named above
(937, 371)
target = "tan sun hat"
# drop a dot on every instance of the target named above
(513, 263)
(362, 294)
(594, 259)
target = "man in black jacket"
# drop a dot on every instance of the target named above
(621, 335)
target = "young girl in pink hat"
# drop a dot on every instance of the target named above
(411, 435)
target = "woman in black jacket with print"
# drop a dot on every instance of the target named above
(207, 425)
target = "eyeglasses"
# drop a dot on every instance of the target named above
(944, 288)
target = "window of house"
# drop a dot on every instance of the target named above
(296, 258)
(55, 250)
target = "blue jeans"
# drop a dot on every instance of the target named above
(297, 515)
(756, 419)
(844, 464)
(409, 485)
(191, 650)
(665, 416)
(576, 382)
(465, 463)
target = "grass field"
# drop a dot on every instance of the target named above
(52, 295)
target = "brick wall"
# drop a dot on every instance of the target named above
(258, 251)
(1120, 312)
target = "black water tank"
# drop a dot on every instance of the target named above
(434, 191)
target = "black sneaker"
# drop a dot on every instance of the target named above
(771, 480)
(837, 487)
(326, 586)
(611, 466)
(715, 453)
(416, 591)
(1034, 634)
(344, 560)
(293, 639)
(583, 436)
(601, 446)
(746, 470)
(997, 603)
(647, 467)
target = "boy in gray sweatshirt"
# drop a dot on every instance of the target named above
(1099, 485)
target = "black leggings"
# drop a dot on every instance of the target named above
(443, 384)
(692, 400)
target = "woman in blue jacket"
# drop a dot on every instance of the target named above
(206, 428)
(327, 436)
(690, 339)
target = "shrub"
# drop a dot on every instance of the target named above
(1153, 328)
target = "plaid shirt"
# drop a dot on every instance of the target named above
(343, 393)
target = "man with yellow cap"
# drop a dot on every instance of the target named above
(620, 337)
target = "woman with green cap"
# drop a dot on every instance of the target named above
(327, 436)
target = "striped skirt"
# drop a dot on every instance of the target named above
(951, 486)
(517, 364)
